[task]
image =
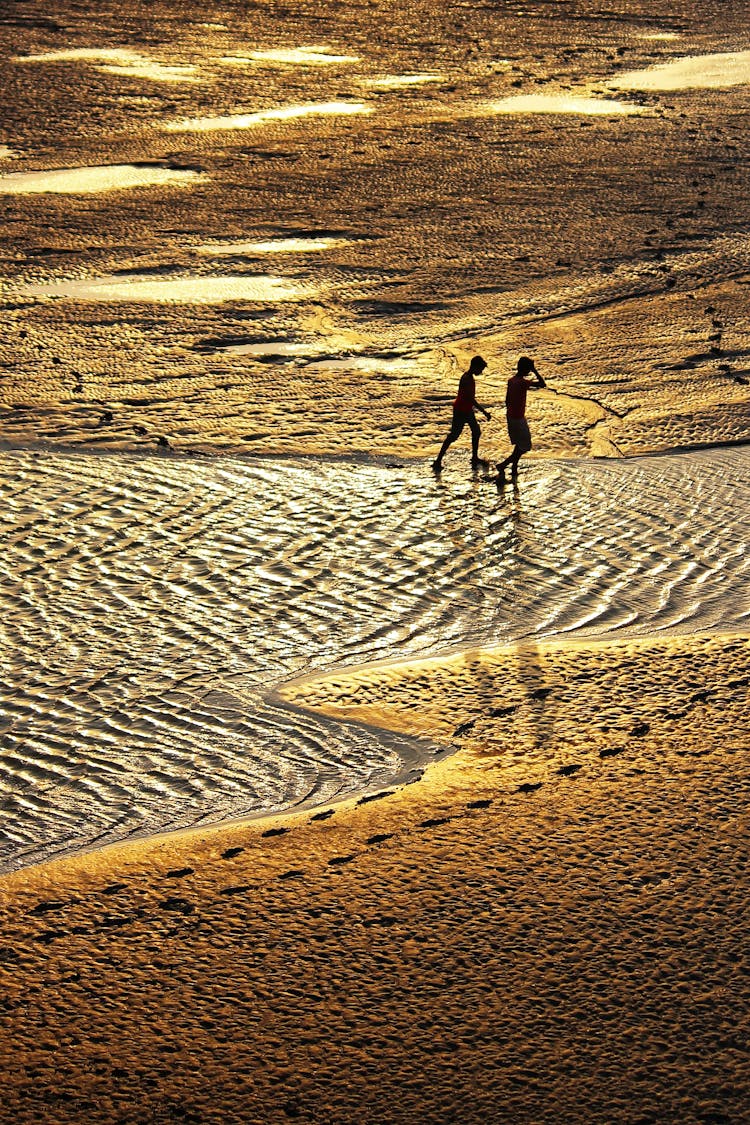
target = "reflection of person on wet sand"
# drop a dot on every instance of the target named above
(515, 404)
(463, 414)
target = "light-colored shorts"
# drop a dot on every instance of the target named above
(519, 434)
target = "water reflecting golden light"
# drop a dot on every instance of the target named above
(104, 177)
(117, 60)
(262, 117)
(731, 68)
(561, 103)
(183, 289)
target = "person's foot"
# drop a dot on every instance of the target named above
(437, 467)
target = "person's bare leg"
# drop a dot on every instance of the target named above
(437, 464)
(503, 465)
(476, 433)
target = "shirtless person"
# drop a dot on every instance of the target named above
(463, 414)
(515, 404)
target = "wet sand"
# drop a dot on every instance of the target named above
(554, 938)
(245, 255)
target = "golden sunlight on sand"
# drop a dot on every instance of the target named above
(488, 939)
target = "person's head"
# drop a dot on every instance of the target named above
(477, 365)
(525, 365)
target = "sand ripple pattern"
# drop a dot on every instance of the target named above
(150, 606)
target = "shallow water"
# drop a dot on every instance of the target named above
(82, 181)
(150, 607)
(431, 182)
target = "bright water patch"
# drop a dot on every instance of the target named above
(272, 246)
(382, 365)
(273, 348)
(186, 290)
(292, 56)
(265, 116)
(98, 178)
(117, 60)
(561, 103)
(731, 68)
(396, 81)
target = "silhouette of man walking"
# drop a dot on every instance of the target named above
(515, 407)
(464, 406)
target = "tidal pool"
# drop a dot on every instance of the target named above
(560, 103)
(293, 56)
(731, 68)
(103, 177)
(272, 246)
(181, 289)
(395, 81)
(273, 348)
(117, 60)
(263, 116)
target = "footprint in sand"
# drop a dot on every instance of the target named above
(322, 815)
(274, 832)
(179, 873)
(45, 907)
(230, 853)
(380, 837)
(179, 905)
(49, 936)
(375, 796)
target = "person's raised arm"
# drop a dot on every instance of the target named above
(539, 380)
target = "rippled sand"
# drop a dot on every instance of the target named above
(244, 259)
(150, 605)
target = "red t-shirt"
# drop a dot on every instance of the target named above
(515, 397)
(467, 389)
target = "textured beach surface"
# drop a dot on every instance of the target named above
(552, 926)
(331, 790)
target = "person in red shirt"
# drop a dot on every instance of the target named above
(515, 406)
(464, 406)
